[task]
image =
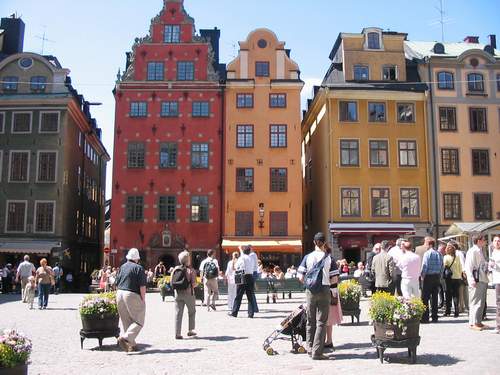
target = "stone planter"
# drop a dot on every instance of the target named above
(393, 332)
(17, 370)
(100, 323)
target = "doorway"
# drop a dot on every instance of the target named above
(352, 255)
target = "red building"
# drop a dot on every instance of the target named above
(167, 175)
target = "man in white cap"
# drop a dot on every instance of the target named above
(131, 299)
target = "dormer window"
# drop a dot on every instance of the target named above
(373, 40)
(475, 82)
(390, 73)
(361, 73)
(38, 83)
(172, 34)
(10, 83)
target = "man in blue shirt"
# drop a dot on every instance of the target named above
(432, 268)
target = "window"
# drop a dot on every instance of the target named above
(172, 34)
(185, 71)
(477, 120)
(475, 82)
(278, 136)
(244, 223)
(445, 81)
(480, 162)
(349, 153)
(167, 206)
(21, 122)
(47, 166)
(447, 118)
(138, 109)
(390, 73)
(482, 206)
(44, 217)
(155, 71)
(136, 155)
(351, 202)
(135, 208)
(169, 109)
(262, 69)
(450, 162)
(278, 224)
(201, 109)
(199, 155)
(244, 100)
(168, 155)
(277, 100)
(244, 179)
(498, 82)
(38, 83)
(10, 83)
(373, 41)
(379, 153)
(407, 153)
(376, 112)
(348, 111)
(452, 206)
(2, 122)
(381, 202)
(279, 180)
(199, 208)
(16, 216)
(410, 205)
(49, 122)
(244, 136)
(361, 73)
(406, 112)
(19, 166)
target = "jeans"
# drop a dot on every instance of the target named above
(430, 291)
(43, 294)
(246, 288)
(452, 289)
(318, 307)
(254, 299)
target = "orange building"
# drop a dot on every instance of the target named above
(262, 172)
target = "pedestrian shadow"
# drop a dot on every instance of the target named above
(221, 338)
(62, 308)
(165, 351)
(116, 348)
(434, 360)
(270, 317)
(353, 345)
(7, 298)
(355, 324)
(346, 356)
(452, 321)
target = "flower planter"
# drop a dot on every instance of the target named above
(100, 323)
(393, 332)
(349, 305)
(17, 370)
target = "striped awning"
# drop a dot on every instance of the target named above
(28, 247)
(360, 228)
(264, 245)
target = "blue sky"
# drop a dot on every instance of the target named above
(91, 37)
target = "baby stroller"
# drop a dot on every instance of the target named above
(294, 326)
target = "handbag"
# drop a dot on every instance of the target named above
(475, 275)
(334, 297)
(448, 273)
(239, 276)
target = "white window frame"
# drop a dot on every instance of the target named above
(13, 118)
(419, 202)
(10, 166)
(53, 217)
(371, 200)
(2, 124)
(58, 122)
(7, 215)
(38, 166)
(416, 152)
(380, 39)
(360, 200)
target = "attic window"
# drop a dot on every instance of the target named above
(439, 48)
(262, 43)
(26, 63)
(474, 62)
(172, 34)
(373, 41)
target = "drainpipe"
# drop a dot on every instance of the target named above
(434, 151)
(330, 159)
(223, 156)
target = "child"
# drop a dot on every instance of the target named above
(29, 292)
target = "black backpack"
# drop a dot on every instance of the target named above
(179, 279)
(210, 270)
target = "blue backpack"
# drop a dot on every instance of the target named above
(313, 280)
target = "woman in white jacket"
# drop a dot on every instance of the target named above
(231, 286)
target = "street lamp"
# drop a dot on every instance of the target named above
(261, 215)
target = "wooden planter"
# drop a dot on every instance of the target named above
(17, 370)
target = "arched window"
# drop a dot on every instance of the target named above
(475, 82)
(446, 81)
(373, 41)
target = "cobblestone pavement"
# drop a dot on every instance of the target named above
(233, 345)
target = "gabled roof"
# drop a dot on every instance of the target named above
(420, 50)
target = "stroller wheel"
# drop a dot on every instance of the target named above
(301, 349)
(270, 351)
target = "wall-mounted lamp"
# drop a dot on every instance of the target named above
(261, 215)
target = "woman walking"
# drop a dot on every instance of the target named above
(183, 282)
(44, 277)
(231, 285)
(453, 278)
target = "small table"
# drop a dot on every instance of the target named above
(100, 335)
(352, 313)
(410, 343)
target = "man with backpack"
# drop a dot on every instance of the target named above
(314, 272)
(209, 270)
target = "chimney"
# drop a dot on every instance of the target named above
(471, 39)
(13, 39)
(493, 41)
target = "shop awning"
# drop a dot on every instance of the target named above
(465, 228)
(28, 247)
(265, 245)
(361, 228)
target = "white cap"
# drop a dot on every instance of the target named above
(133, 254)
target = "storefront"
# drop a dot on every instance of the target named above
(13, 251)
(462, 232)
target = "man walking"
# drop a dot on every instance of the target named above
(383, 269)
(409, 264)
(244, 264)
(24, 270)
(432, 268)
(318, 301)
(131, 299)
(209, 270)
(255, 266)
(58, 274)
(476, 269)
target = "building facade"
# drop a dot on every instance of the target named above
(463, 114)
(262, 191)
(167, 175)
(52, 163)
(364, 146)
